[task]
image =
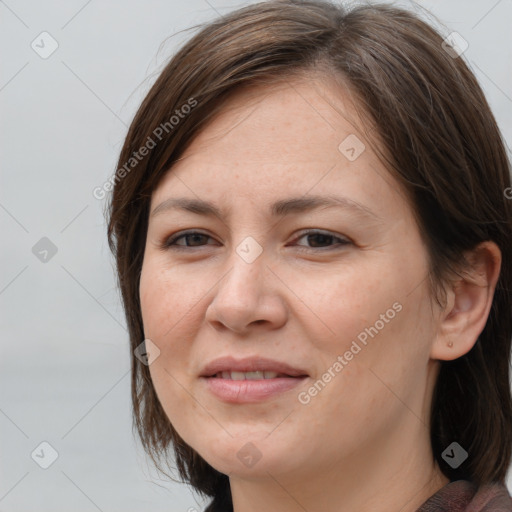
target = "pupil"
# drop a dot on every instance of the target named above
(324, 239)
(195, 238)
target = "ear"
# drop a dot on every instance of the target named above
(469, 301)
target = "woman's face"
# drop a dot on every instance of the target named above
(280, 244)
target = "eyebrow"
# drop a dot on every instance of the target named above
(278, 209)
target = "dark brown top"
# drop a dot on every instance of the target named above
(464, 496)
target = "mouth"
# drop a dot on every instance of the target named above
(250, 380)
(256, 375)
(252, 368)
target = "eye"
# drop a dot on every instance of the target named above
(319, 239)
(322, 240)
(190, 239)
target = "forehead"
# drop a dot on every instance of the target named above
(291, 138)
(293, 116)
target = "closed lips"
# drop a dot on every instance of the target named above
(253, 368)
(257, 375)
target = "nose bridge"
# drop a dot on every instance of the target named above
(243, 295)
(245, 281)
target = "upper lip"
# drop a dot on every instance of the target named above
(250, 364)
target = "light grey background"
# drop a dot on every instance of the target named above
(64, 351)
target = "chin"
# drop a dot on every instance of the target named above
(245, 455)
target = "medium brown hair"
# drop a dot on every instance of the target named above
(439, 140)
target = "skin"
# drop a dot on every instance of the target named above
(362, 442)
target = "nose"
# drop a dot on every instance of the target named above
(248, 295)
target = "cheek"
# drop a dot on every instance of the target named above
(167, 308)
(168, 301)
(371, 319)
(337, 306)
(172, 313)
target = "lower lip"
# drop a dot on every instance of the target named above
(247, 391)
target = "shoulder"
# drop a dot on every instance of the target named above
(465, 496)
(491, 498)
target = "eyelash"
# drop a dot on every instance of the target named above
(170, 243)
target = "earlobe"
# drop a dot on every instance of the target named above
(469, 300)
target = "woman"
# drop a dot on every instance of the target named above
(313, 242)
